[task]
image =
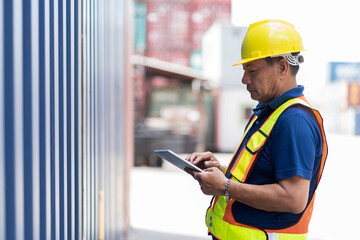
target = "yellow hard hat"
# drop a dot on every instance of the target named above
(269, 38)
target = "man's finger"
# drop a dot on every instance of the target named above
(192, 172)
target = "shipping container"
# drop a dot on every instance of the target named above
(161, 54)
(201, 20)
(175, 56)
(65, 128)
(179, 57)
(157, 25)
(179, 25)
(203, 15)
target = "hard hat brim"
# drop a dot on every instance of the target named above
(243, 61)
(246, 60)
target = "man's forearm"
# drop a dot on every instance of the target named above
(272, 197)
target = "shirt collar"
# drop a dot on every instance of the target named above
(293, 93)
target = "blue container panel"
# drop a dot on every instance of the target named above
(2, 135)
(62, 154)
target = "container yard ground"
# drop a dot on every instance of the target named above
(166, 203)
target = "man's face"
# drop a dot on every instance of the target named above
(261, 80)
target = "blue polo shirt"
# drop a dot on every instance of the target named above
(294, 148)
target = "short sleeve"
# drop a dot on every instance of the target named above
(294, 143)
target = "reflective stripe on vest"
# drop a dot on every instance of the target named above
(219, 218)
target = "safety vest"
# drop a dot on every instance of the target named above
(219, 218)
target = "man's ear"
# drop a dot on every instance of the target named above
(283, 66)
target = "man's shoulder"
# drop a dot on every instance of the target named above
(298, 114)
(297, 121)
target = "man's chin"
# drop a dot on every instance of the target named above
(254, 96)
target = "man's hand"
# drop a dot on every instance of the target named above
(212, 181)
(205, 160)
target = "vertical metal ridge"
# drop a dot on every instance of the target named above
(61, 94)
(64, 30)
(27, 108)
(18, 118)
(89, 119)
(107, 182)
(56, 113)
(86, 179)
(65, 116)
(93, 192)
(78, 119)
(35, 119)
(70, 116)
(51, 113)
(9, 144)
(2, 130)
(96, 123)
(42, 123)
(46, 232)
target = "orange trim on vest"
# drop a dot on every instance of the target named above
(228, 216)
(299, 228)
(325, 147)
(302, 226)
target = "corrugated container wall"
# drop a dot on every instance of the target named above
(63, 127)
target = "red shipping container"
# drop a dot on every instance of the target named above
(159, 54)
(179, 57)
(201, 20)
(204, 14)
(222, 11)
(168, 25)
(176, 27)
(179, 23)
(157, 24)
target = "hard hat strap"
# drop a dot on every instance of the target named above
(294, 59)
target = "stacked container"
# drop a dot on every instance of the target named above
(175, 28)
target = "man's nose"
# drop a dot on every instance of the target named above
(245, 79)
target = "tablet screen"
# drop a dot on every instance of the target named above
(175, 159)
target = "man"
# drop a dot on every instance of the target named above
(268, 189)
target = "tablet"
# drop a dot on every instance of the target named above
(175, 159)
